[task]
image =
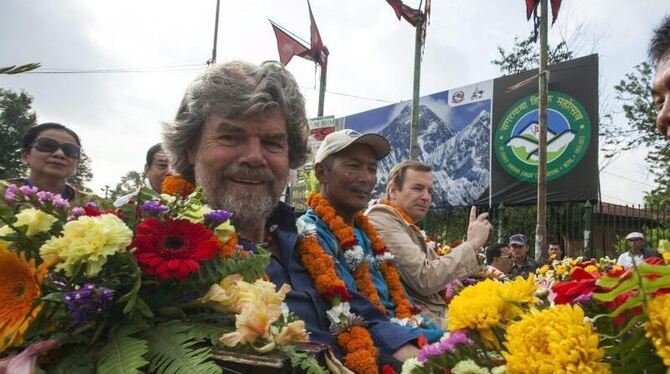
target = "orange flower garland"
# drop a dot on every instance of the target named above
(361, 351)
(345, 235)
(400, 212)
(175, 185)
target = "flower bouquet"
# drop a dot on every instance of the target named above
(149, 287)
(594, 321)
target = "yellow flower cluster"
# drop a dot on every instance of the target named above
(257, 305)
(35, 220)
(490, 304)
(88, 240)
(555, 340)
(658, 326)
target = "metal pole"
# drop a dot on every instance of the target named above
(540, 230)
(322, 88)
(414, 130)
(216, 33)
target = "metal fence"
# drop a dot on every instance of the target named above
(580, 228)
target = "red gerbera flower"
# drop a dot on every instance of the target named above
(173, 248)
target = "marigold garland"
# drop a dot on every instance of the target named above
(345, 235)
(360, 350)
(400, 212)
(175, 185)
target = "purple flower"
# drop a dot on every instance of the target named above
(77, 212)
(154, 207)
(217, 217)
(583, 298)
(91, 205)
(460, 337)
(59, 202)
(88, 301)
(44, 196)
(28, 191)
(10, 192)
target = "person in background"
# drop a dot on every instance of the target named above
(523, 264)
(637, 252)
(499, 256)
(424, 273)
(51, 152)
(157, 167)
(554, 252)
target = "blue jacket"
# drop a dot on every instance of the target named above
(305, 301)
(331, 245)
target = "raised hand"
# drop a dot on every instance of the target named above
(479, 228)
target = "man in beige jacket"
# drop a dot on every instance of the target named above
(424, 273)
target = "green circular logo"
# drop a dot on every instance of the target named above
(568, 136)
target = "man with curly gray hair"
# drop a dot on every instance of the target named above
(237, 131)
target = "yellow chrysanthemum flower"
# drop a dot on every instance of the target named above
(555, 340)
(35, 220)
(543, 269)
(478, 307)
(88, 240)
(560, 270)
(591, 269)
(20, 284)
(658, 327)
(517, 293)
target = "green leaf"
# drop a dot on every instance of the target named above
(123, 354)
(624, 287)
(171, 350)
(202, 330)
(304, 361)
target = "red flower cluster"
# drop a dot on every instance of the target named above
(173, 248)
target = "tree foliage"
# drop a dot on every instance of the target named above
(131, 182)
(16, 117)
(18, 69)
(525, 55)
(82, 174)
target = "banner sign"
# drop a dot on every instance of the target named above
(572, 135)
(481, 139)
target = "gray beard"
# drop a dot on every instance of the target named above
(249, 209)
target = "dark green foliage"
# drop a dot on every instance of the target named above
(525, 55)
(16, 117)
(129, 183)
(82, 174)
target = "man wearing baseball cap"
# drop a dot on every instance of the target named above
(346, 167)
(523, 264)
(636, 253)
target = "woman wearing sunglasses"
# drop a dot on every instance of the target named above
(51, 152)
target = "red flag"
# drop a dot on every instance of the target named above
(401, 10)
(531, 5)
(289, 46)
(318, 51)
(555, 5)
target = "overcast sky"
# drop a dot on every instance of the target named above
(150, 51)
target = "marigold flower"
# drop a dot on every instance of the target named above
(89, 240)
(175, 185)
(553, 340)
(20, 283)
(478, 307)
(658, 326)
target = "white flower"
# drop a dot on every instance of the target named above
(354, 257)
(305, 228)
(499, 370)
(385, 257)
(414, 321)
(468, 367)
(339, 313)
(410, 364)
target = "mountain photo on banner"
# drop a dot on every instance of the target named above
(454, 129)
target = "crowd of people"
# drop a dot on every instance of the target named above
(239, 129)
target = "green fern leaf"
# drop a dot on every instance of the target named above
(201, 330)
(73, 359)
(123, 354)
(173, 351)
(304, 361)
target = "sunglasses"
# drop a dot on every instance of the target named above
(49, 145)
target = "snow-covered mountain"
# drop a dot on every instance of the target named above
(460, 160)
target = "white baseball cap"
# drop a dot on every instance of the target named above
(339, 140)
(634, 235)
